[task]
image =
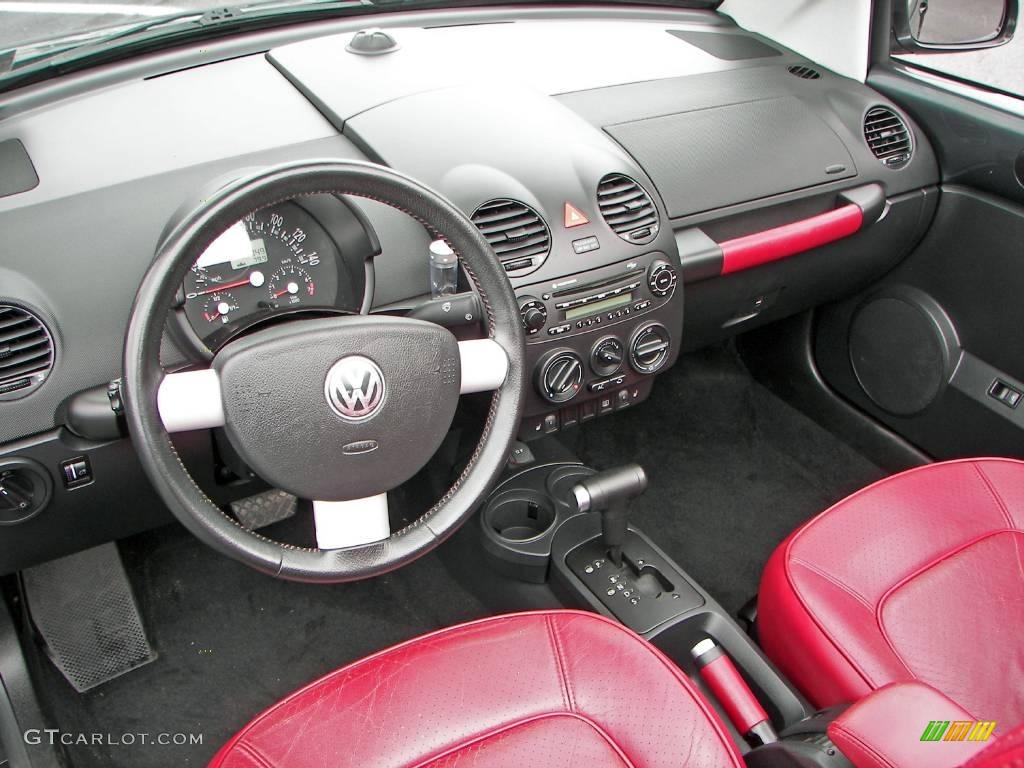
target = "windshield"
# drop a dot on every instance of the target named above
(25, 21)
(30, 23)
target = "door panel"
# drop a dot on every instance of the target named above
(935, 349)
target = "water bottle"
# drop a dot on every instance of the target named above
(444, 270)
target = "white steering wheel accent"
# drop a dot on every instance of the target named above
(192, 399)
(341, 524)
(484, 365)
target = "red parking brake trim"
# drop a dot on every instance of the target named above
(779, 242)
(733, 693)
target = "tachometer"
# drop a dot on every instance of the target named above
(291, 285)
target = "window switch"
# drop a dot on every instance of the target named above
(1005, 394)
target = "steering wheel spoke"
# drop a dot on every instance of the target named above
(342, 524)
(484, 365)
(190, 400)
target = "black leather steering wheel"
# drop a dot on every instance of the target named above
(339, 409)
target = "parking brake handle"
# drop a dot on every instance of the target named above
(609, 493)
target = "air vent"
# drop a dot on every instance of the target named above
(26, 352)
(627, 208)
(888, 137)
(516, 232)
(805, 73)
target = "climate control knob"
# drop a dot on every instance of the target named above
(661, 278)
(533, 313)
(649, 348)
(607, 355)
(560, 377)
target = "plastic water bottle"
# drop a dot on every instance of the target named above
(444, 269)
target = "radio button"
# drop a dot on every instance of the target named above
(661, 278)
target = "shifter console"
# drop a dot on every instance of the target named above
(624, 572)
(643, 592)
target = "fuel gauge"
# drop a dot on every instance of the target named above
(220, 307)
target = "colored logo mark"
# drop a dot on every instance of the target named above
(958, 730)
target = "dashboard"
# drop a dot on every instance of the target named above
(635, 174)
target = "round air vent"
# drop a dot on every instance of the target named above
(26, 352)
(627, 208)
(803, 72)
(888, 137)
(516, 232)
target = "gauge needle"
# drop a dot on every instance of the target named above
(290, 288)
(255, 280)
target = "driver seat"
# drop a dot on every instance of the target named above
(554, 688)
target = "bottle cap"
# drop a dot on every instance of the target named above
(441, 253)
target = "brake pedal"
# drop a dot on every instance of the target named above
(263, 509)
(83, 608)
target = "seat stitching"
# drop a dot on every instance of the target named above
(255, 755)
(1006, 513)
(826, 633)
(927, 567)
(833, 580)
(498, 730)
(865, 745)
(996, 497)
(563, 673)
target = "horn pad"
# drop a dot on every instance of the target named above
(340, 408)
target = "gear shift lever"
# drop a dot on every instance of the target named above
(609, 493)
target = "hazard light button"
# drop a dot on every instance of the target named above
(574, 216)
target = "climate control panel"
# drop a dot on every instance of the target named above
(595, 340)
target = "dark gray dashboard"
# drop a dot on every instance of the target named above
(541, 110)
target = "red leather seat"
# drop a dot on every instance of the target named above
(558, 688)
(917, 577)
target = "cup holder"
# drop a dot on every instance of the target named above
(519, 516)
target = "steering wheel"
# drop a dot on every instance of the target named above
(339, 409)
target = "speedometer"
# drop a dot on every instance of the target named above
(277, 258)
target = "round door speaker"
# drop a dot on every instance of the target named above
(900, 349)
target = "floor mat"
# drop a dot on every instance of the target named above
(732, 469)
(232, 642)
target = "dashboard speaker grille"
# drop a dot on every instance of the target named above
(26, 352)
(888, 137)
(516, 232)
(627, 208)
(804, 72)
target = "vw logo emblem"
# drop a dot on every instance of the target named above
(354, 388)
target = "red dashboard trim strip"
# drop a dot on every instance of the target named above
(790, 239)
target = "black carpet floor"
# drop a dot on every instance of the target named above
(732, 469)
(231, 642)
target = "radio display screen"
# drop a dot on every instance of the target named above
(599, 306)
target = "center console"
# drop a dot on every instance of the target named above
(563, 524)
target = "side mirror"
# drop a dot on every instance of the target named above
(943, 26)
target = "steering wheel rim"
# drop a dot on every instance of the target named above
(143, 375)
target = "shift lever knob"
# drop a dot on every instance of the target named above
(608, 493)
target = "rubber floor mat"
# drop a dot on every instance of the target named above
(83, 607)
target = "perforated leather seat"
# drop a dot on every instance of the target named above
(553, 689)
(917, 577)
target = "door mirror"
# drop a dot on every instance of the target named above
(937, 26)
